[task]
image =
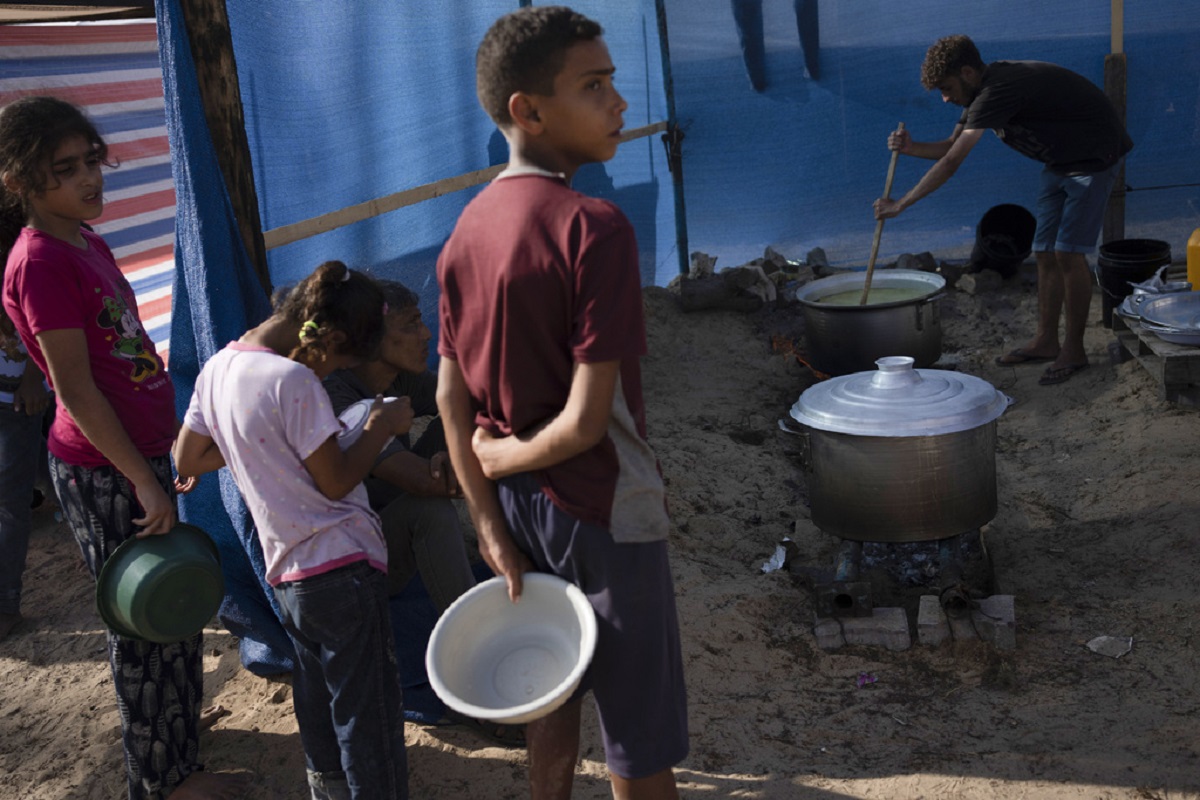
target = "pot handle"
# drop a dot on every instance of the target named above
(792, 429)
(920, 308)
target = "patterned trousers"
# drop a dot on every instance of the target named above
(159, 686)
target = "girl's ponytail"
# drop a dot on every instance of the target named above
(335, 298)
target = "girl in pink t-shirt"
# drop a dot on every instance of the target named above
(111, 437)
(259, 408)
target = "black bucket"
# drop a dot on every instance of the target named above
(1123, 262)
(1003, 239)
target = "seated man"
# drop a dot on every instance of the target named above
(411, 485)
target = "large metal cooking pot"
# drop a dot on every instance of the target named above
(843, 339)
(900, 454)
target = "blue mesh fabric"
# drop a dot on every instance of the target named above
(216, 297)
(345, 104)
(798, 164)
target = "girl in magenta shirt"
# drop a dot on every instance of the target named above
(111, 438)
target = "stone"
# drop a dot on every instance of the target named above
(829, 633)
(750, 279)
(702, 265)
(803, 274)
(996, 621)
(993, 622)
(923, 262)
(886, 627)
(977, 283)
(951, 272)
(773, 260)
(932, 626)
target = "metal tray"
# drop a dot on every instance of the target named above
(1177, 310)
(1173, 335)
(1131, 306)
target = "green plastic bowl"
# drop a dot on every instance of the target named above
(161, 588)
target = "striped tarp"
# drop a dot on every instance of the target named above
(111, 69)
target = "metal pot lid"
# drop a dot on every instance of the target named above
(899, 400)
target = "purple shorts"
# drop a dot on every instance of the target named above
(636, 675)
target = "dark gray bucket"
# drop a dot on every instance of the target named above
(1123, 262)
(1003, 239)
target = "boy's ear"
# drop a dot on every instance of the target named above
(524, 112)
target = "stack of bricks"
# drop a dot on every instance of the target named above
(993, 622)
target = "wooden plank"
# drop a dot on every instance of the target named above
(1175, 368)
(286, 234)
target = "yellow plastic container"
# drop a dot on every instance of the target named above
(1193, 260)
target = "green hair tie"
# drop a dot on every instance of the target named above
(309, 330)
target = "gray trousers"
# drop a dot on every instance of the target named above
(424, 535)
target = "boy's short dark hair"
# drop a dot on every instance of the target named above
(524, 52)
(946, 57)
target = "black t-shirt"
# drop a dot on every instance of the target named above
(1050, 114)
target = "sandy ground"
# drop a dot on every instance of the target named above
(1096, 534)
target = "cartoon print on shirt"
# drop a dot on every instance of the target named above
(130, 339)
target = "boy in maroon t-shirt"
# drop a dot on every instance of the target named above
(540, 391)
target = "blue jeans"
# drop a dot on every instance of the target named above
(1070, 210)
(21, 448)
(346, 687)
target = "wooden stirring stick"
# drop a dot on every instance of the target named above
(887, 193)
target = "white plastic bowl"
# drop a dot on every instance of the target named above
(354, 420)
(491, 659)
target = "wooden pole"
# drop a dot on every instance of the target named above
(1117, 41)
(286, 234)
(887, 193)
(1114, 87)
(207, 25)
(673, 141)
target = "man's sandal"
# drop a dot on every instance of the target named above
(1054, 375)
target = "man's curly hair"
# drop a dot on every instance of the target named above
(946, 58)
(524, 52)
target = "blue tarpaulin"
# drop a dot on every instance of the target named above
(348, 104)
